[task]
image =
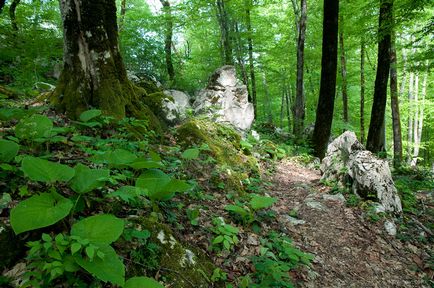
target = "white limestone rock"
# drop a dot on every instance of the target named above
(347, 161)
(176, 105)
(225, 100)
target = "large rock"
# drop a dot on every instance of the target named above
(176, 106)
(348, 162)
(225, 100)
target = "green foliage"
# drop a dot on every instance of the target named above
(116, 158)
(249, 214)
(190, 154)
(39, 211)
(100, 229)
(140, 282)
(226, 235)
(160, 186)
(34, 127)
(85, 179)
(261, 202)
(8, 150)
(88, 115)
(193, 216)
(41, 170)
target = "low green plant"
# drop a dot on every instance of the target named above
(225, 235)
(247, 214)
(277, 257)
(218, 275)
(193, 216)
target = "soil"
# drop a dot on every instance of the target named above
(350, 250)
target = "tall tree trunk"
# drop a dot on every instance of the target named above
(267, 99)
(282, 106)
(418, 118)
(240, 59)
(12, 15)
(299, 108)
(168, 38)
(362, 91)
(411, 107)
(2, 4)
(288, 105)
(225, 32)
(343, 70)
(249, 5)
(375, 142)
(396, 119)
(123, 12)
(329, 59)
(93, 75)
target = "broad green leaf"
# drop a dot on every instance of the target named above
(86, 179)
(261, 202)
(35, 126)
(89, 115)
(237, 209)
(109, 269)
(116, 157)
(190, 154)
(46, 171)
(128, 193)
(8, 150)
(39, 211)
(145, 164)
(75, 247)
(153, 180)
(142, 282)
(218, 239)
(176, 185)
(99, 229)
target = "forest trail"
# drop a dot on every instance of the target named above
(349, 251)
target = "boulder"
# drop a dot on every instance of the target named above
(176, 105)
(349, 163)
(225, 100)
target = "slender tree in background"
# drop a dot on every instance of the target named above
(343, 69)
(249, 5)
(375, 141)
(223, 19)
(362, 91)
(240, 59)
(12, 10)
(122, 16)
(299, 105)
(93, 75)
(269, 111)
(396, 119)
(2, 4)
(411, 108)
(324, 112)
(168, 43)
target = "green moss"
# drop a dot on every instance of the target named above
(149, 86)
(178, 264)
(224, 144)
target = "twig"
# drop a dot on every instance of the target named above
(424, 228)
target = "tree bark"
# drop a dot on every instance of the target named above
(324, 112)
(249, 5)
(240, 59)
(396, 119)
(123, 12)
(168, 38)
(362, 91)
(267, 99)
(12, 10)
(375, 142)
(223, 18)
(343, 71)
(2, 4)
(299, 108)
(411, 107)
(420, 120)
(93, 75)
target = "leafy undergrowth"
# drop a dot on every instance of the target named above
(101, 202)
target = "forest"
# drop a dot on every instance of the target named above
(221, 143)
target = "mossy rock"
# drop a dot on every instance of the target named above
(224, 144)
(149, 85)
(178, 264)
(11, 248)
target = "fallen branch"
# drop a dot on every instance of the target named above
(423, 227)
(8, 93)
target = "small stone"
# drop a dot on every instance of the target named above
(378, 208)
(315, 205)
(294, 221)
(390, 228)
(252, 240)
(337, 198)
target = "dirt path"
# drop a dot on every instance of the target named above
(350, 251)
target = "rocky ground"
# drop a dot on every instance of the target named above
(350, 250)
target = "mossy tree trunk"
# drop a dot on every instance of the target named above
(93, 75)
